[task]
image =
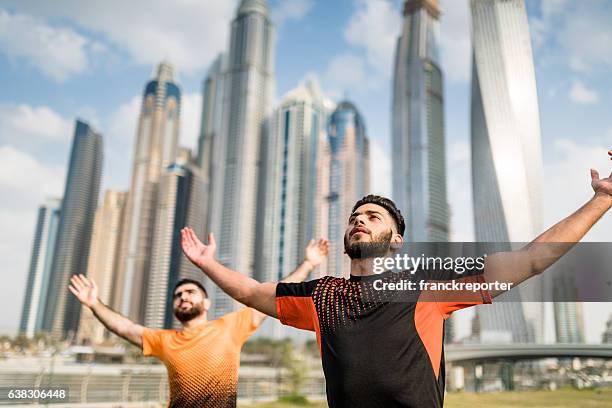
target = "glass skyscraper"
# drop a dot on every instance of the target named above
(155, 149)
(419, 167)
(62, 309)
(37, 286)
(349, 178)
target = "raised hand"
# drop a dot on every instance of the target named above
(601, 185)
(198, 253)
(84, 289)
(316, 251)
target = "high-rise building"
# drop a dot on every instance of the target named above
(290, 189)
(62, 309)
(155, 149)
(248, 89)
(349, 178)
(37, 286)
(419, 167)
(506, 153)
(103, 260)
(211, 146)
(568, 316)
(181, 203)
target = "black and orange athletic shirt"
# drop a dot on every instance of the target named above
(380, 349)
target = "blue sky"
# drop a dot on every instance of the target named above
(68, 58)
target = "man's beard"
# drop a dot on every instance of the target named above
(189, 314)
(379, 246)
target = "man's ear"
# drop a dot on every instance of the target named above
(207, 304)
(396, 242)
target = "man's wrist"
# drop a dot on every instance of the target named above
(604, 197)
(95, 304)
(309, 263)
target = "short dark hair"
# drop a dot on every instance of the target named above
(388, 205)
(193, 281)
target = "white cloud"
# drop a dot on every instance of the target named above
(25, 182)
(455, 40)
(18, 122)
(59, 52)
(567, 183)
(188, 33)
(580, 94)
(346, 73)
(375, 26)
(291, 10)
(564, 25)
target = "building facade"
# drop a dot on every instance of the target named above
(419, 160)
(39, 274)
(62, 309)
(155, 149)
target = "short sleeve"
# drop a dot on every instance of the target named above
(450, 301)
(241, 323)
(152, 342)
(294, 304)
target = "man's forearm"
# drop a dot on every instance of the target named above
(567, 232)
(116, 323)
(300, 273)
(235, 284)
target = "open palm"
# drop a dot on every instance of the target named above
(603, 185)
(316, 251)
(84, 289)
(198, 253)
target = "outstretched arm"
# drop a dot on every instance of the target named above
(86, 291)
(246, 290)
(535, 257)
(314, 254)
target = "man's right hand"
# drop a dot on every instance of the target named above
(84, 289)
(198, 253)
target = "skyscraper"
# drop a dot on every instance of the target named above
(211, 146)
(248, 89)
(79, 204)
(103, 260)
(419, 168)
(154, 150)
(506, 152)
(349, 178)
(290, 181)
(37, 286)
(181, 203)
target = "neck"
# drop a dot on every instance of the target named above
(193, 324)
(365, 266)
(362, 267)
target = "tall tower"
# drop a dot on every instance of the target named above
(211, 146)
(506, 152)
(154, 150)
(74, 230)
(349, 178)
(39, 274)
(103, 259)
(419, 168)
(247, 96)
(290, 188)
(181, 203)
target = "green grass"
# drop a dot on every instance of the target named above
(599, 398)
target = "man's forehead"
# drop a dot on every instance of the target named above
(186, 286)
(370, 207)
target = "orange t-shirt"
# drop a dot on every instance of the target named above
(203, 365)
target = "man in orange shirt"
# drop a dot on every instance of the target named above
(203, 357)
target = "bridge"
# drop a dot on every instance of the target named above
(457, 353)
